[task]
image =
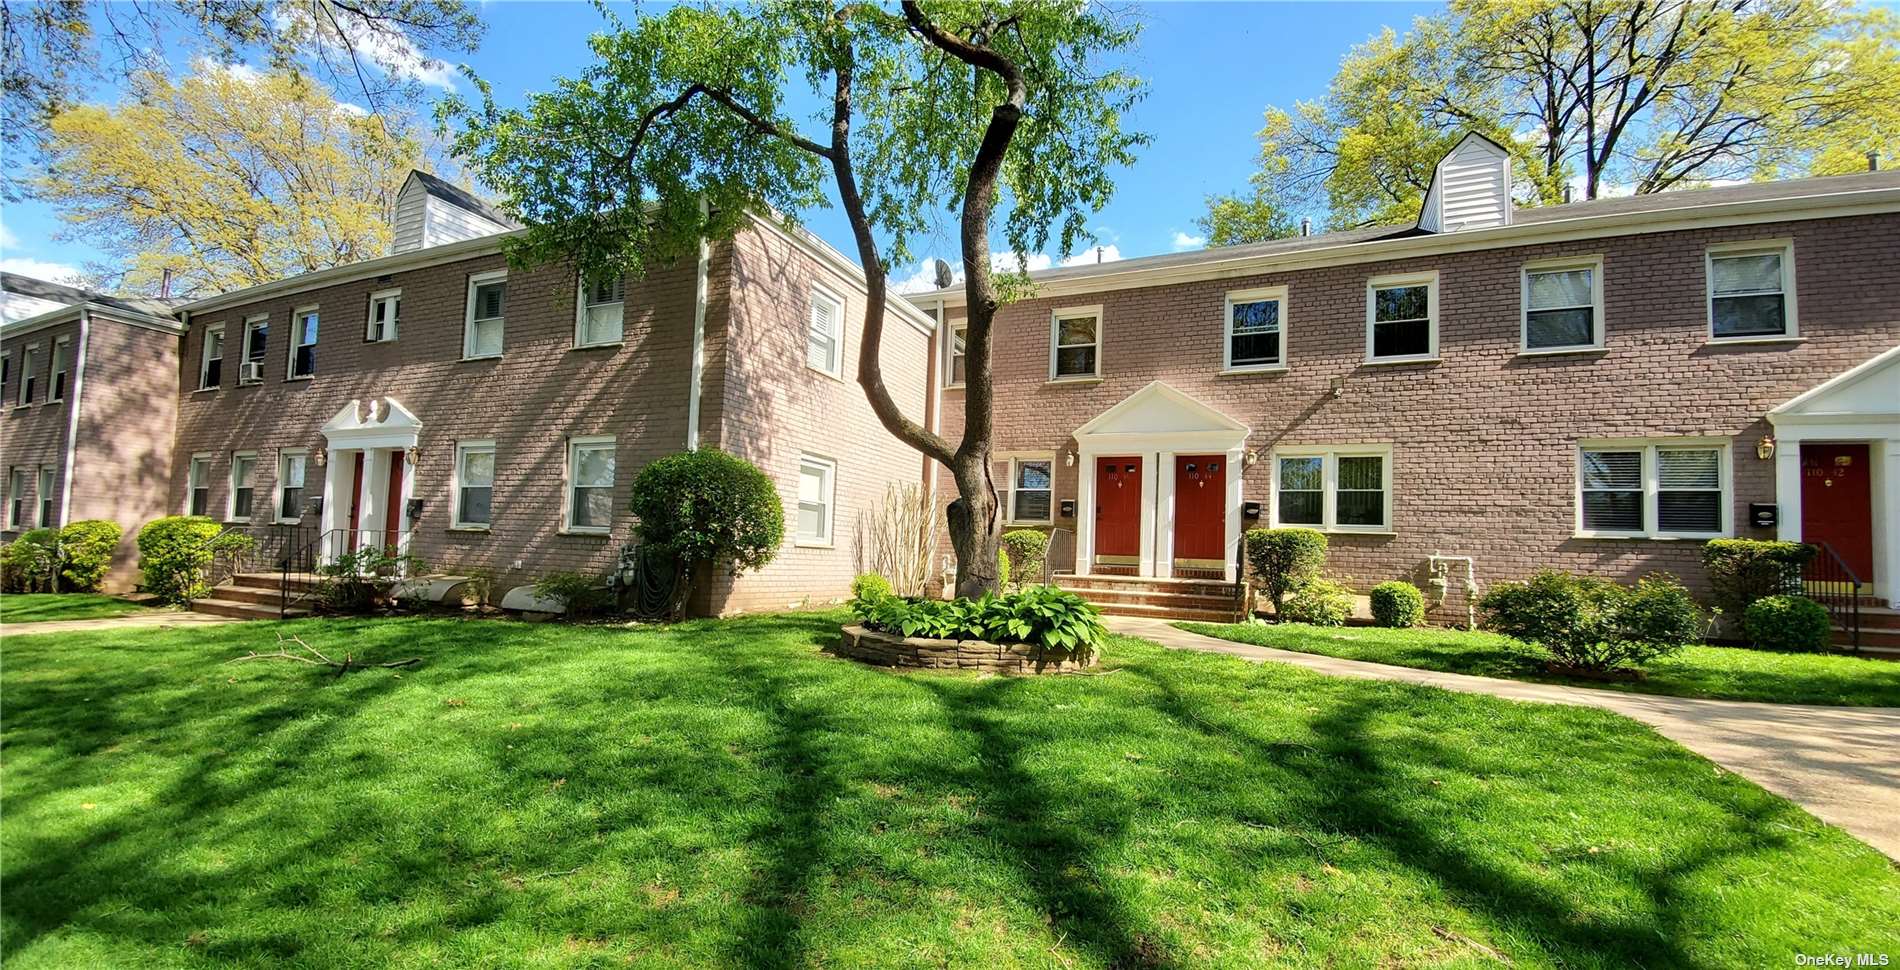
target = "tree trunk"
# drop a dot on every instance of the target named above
(976, 528)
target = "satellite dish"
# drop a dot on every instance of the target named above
(944, 276)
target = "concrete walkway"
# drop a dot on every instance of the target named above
(162, 619)
(1841, 763)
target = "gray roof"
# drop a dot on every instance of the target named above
(69, 295)
(461, 198)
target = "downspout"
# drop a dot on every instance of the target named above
(694, 375)
(72, 413)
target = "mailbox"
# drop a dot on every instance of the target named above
(414, 509)
(1068, 508)
(1250, 509)
(314, 506)
(1764, 515)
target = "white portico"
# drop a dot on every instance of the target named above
(368, 476)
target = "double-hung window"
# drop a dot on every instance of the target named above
(292, 464)
(817, 482)
(1402, 317)
(1075, 344)
(385, 313)
(1563, 305)
(16, 498)
(487, 308)
(46, 494)
(824, 334)
(198, 486)
(256, 346)
(1030, 490)
(959, 333)
(62, 362)
(29, 381)
(590, 484)
(1345, 488)
(211, 359)
(243, 470)
(1751, 291)
(474, 484)
(303, 344)
(1669, 488)
(1256, 330)
(6, 372)
(602, 312)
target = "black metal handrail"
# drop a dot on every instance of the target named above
(1053, 552)
(1829, 581)
(307, 548)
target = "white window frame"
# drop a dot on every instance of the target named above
(582, 304)
(24, 398)
(1329, 486)
(575, 444)
(284, 455)
(830, 468)
(393, 330)
(45, 497)
(1598, 327)
(6, 371)
(1652, 480)
(1276, 294)
(475, 281)
(1056, 317)
(59, 366)
(294, 342)
(1010, 489)
(205, 358)
(251, 325)
(1429, 280)
(463, 449)
(16, 497)
(198, 476)
(951, 354)
(230, 499)
(1791, 329)
(822, 296)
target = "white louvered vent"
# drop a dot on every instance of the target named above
(1471, 188)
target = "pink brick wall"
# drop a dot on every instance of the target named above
(35, 435)
(127, 416)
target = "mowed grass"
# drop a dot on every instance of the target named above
(1723, 673)
(40, 607)
(720, 793)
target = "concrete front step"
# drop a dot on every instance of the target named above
(1168, 612)
(1154, 584)
(243, 610)
(251, 594)
(299, 582)
(1227, 602)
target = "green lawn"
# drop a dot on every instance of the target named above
(37, 607)
(721, 794)
(1726, 673)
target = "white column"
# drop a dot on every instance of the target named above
(1887, 522)
(1164, 514)
(1150, 464)
(1788, 489)
(1085, 513)
(1236, 473)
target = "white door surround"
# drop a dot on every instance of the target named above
(1859, 406)
(383, 432)
(1157, 423)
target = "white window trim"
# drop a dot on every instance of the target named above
(395, 323)
(244, 352)
(45, 492)
(831, 503)
(1429, 280)
(1009, 492)
(580, 316)
(836, 370)
(1598, 327)
(295, 335)
(204, 356)
(1258, 295)
(455, 486)
(950, 328)
(191, 484)
(1652, 486)
(574, 445)
(231, 481)
(1329, 486)
(27, 354)
(1790, 318)
(54, 367)
(16, 514)
(284, 455)
(1056, 317)
(468, 315)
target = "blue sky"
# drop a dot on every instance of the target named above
(1212, 67)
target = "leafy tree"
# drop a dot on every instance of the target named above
(1643, 95)
(682, 126)
(227, 178)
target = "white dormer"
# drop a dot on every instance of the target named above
(430, 211)
(1471, 188)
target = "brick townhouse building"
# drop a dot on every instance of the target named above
(1598, 386)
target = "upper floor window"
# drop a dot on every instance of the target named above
(16, 497)
(487, 306)
(385, 313)
(62, 362)
(816, 494)
(1751, 290)
(291, 466)
(29, 382)
(303, 343)
(46, 494)
(959, 333)
(1343, 489)
(1030, 491)
(474, 484)
(1667, 488)
(211, 363)
(243, 470)
(198, 486)
(1402, 317)
(1075, 343)
(1256, 330)
(256, 345)
(824, 334)
(6, 371)
(1563, 305)
(590, 480)
(602, 312)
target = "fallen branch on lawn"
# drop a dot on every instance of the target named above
(318, 658)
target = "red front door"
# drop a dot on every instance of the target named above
(1118, 507)
(1837, 503)
(356, 504)
(392, 502)
(1200, 507)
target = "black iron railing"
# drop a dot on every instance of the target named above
(305, 549)
(1059, 556)
(1829, 581)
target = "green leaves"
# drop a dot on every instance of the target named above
(1051, 618)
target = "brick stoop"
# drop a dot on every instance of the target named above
(1207, 600)
(256, 596)
(1879, 632)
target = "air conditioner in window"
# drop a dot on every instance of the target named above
(251, 372)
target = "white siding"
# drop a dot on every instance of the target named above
(445, 222)
(407, 221)
(1470, 190)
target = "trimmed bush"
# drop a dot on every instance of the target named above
(33, 561)
(1028, 551)
(870, 586)
(1397, 603)
(86, 547)
(1285, 559)
(174, 553)
(1320, 602)
(583, 596)
(709, 506)
(1742, 571)
(1788, 623)
(355, 582)
(1593, 624)
(1002, 569)
(1047, 617)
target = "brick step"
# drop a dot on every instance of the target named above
(251, 594)
(299, 582)
(1871, 637)
(1140, 597)
(1168, 612)
(243, 611)
(1154, 584)
(1879, 618)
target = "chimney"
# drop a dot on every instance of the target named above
(1306, 227)
(1566, 195)
(1873, 161)
(1098, 255)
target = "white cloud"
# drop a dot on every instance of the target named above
(1093, 255)
(40, 269)
(1183, 241)
(391, 53)
(7, 239)
(924, 279)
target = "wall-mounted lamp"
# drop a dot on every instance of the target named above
(1765, 448)
(1251, 457)
(1338, 385)
(321, 457)
(412, 454)
(1068, 459)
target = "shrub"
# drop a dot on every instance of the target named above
(897, 539)
(583, 596)
(1285, 559)
(86, 547)
(1397, 603)
(355, 581)
(1045, 616)
(1002, 568)
(1028, 550)
(1742, 571)
(709, 506)
(870, 586)
(1319, 602)
(1788, 623)
(173, 554)
(33, 561)
(1593, 624)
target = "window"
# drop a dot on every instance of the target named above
(1563, 306)
(1075, 344)
(211, 364)
(385, 314)
(62, 354)
(487, 304)
(1343, 489)
(1662, 489)
(6, 371)
(29, 383)
(303, 344)
(291, 465)
(16, 497)
(602, 311)
(1255, 330)
(824, 343)
(958, 334)
(474, 484)
(1402, 317)
(243, 469)
(198, 486)
(45, 494)
(816, 483)
(256, 345)
(1751, 291)
(1030, 486)
(590, 476)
